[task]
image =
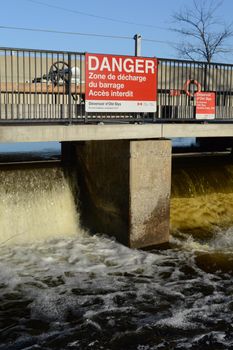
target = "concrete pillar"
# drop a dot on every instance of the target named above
(124, 188)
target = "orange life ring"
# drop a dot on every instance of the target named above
(186, 86)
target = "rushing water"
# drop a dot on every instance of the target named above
(62, 288)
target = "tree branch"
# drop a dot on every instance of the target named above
(201, 24)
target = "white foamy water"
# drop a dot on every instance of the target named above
(221, 241)
(36, 203)
(91, 292)
(63, 288)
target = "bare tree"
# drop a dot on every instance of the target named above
(204, 35)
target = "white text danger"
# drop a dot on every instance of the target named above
(121, 64)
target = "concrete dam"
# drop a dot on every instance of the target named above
(117, 149)
(64, 285)
(48, 200)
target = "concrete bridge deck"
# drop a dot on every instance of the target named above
(43, 133)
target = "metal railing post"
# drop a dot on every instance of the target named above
(69, 90)
(137, 52)
(205, 77)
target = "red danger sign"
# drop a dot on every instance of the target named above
(205, 105)
(120, 83)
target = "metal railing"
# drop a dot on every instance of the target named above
(41, 85)
(178, 80)
(49, 86)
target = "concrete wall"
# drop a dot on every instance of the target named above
(24, 68)
(124, 188)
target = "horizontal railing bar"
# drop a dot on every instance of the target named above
(40, 51)
(74, 121)
(113, 121)
(162, 59)
(194, 62)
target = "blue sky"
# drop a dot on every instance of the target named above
(39, 14)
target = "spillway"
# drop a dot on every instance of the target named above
(36, 203)
(202, 194)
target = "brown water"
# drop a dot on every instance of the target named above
(62, 288)
(202, 193)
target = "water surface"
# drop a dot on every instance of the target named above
(63, 288)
